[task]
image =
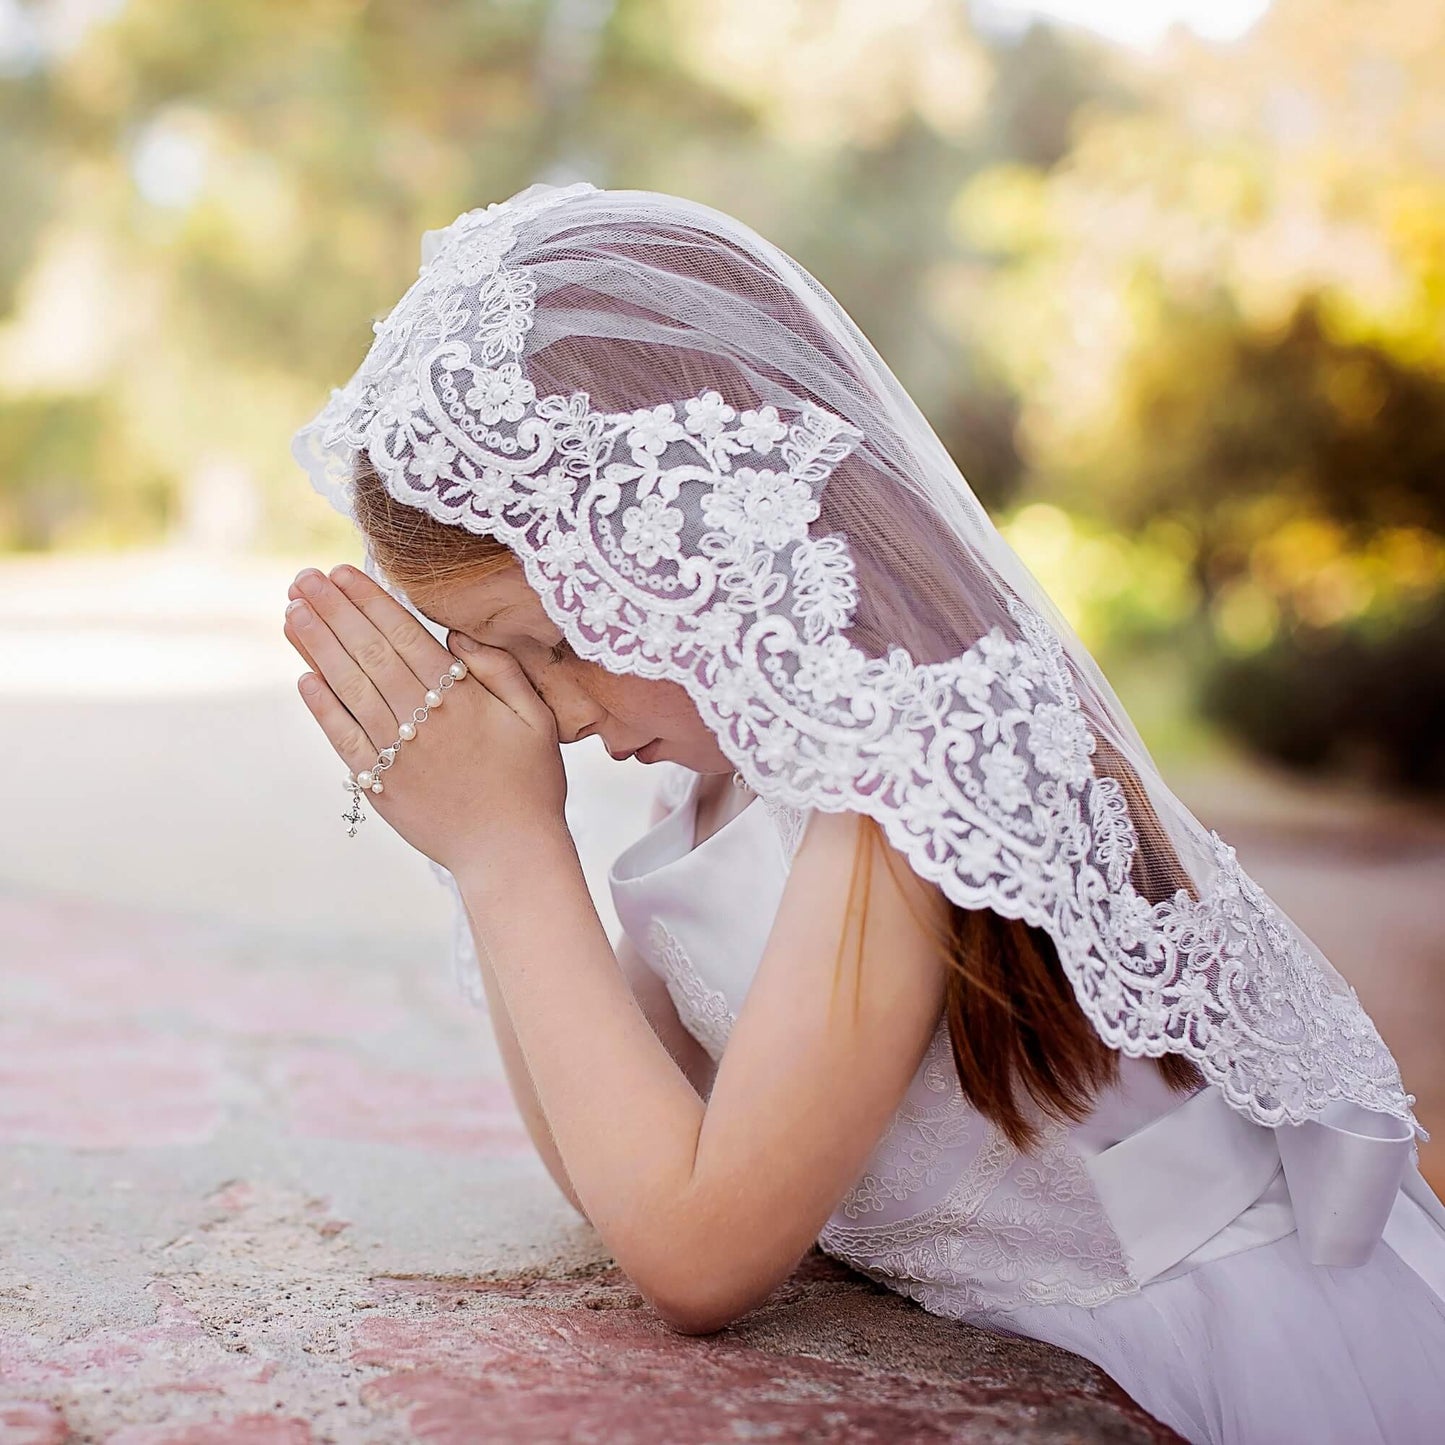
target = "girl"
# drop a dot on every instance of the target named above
(950, 983)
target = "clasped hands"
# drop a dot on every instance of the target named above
(482, 767)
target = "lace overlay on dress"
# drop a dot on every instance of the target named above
(946, 1210)
(704, 1011)
(790, 823)
(1011, 1230)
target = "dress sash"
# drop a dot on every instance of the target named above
(1173, 1185)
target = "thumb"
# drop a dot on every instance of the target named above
(502, 676)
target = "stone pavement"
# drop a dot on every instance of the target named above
(268, 1188)
(260, 1176)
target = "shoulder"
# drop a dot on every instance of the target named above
(854, 842)
(846, 881)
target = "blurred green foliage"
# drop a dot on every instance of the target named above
(1179, 317)
(1353, 698)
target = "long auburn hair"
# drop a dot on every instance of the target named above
(1017, 1031)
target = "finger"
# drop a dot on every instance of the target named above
(503, 676)
(375, 652)
(411, 642)
(344, 676)
(295, 595)
(345, 734)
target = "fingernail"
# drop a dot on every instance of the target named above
(297, 610)
(466, 644)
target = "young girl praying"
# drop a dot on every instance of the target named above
(922, 961)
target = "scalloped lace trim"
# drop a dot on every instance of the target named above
(1012, 1230)
(703, 1010)
(978, 768)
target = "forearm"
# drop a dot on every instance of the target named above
(620, 1111)
(524, 1092)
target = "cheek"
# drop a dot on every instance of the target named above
(645, 702)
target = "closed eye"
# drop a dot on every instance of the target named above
(561, 652)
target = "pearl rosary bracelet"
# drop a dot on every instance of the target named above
(370, 778)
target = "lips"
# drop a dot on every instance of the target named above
(631, 752)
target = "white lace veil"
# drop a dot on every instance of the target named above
(709, 475)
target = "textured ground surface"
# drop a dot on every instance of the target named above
(254, 1193)
(260, 1177)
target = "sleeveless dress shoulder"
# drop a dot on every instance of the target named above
(1156, 1238)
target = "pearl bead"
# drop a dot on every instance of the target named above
(376, 787)
(363, 780)
(407, 730)
(433, 698)
(458, 669)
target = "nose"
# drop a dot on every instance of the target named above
(577, 718)
(578, 714)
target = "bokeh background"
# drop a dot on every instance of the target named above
(1168, 279)
(1167, 276)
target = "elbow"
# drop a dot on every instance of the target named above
(700, 1314)
(695, 1293)
(701, 1273)
(564, 1187)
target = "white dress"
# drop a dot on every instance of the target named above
(1167, 1255)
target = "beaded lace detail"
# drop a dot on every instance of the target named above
(1011, 1230)
(703, 1011)
(673, 541)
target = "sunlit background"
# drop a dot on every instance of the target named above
(1168, 280)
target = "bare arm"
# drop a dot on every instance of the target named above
(657, 1006)
(708, 1206)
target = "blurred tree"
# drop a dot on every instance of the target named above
(27, 181)
(1199, 296)
(52, 451)
(1213, 413)
(1227, 309)
(1043, 80)
(1354, 699)
(257, 175)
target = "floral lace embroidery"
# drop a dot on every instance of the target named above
(978, 768)
(703, 1011)
(466, 967)
(790, 823)
(1012, 1229)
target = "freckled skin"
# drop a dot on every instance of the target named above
(623, 710)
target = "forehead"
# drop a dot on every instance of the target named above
(496, 605)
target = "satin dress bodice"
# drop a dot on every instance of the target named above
(1156, 1237)
(946, 1209)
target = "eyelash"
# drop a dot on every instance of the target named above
(560, 653)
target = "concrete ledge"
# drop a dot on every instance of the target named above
(273, 1191)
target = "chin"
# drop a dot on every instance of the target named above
(699, 759)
